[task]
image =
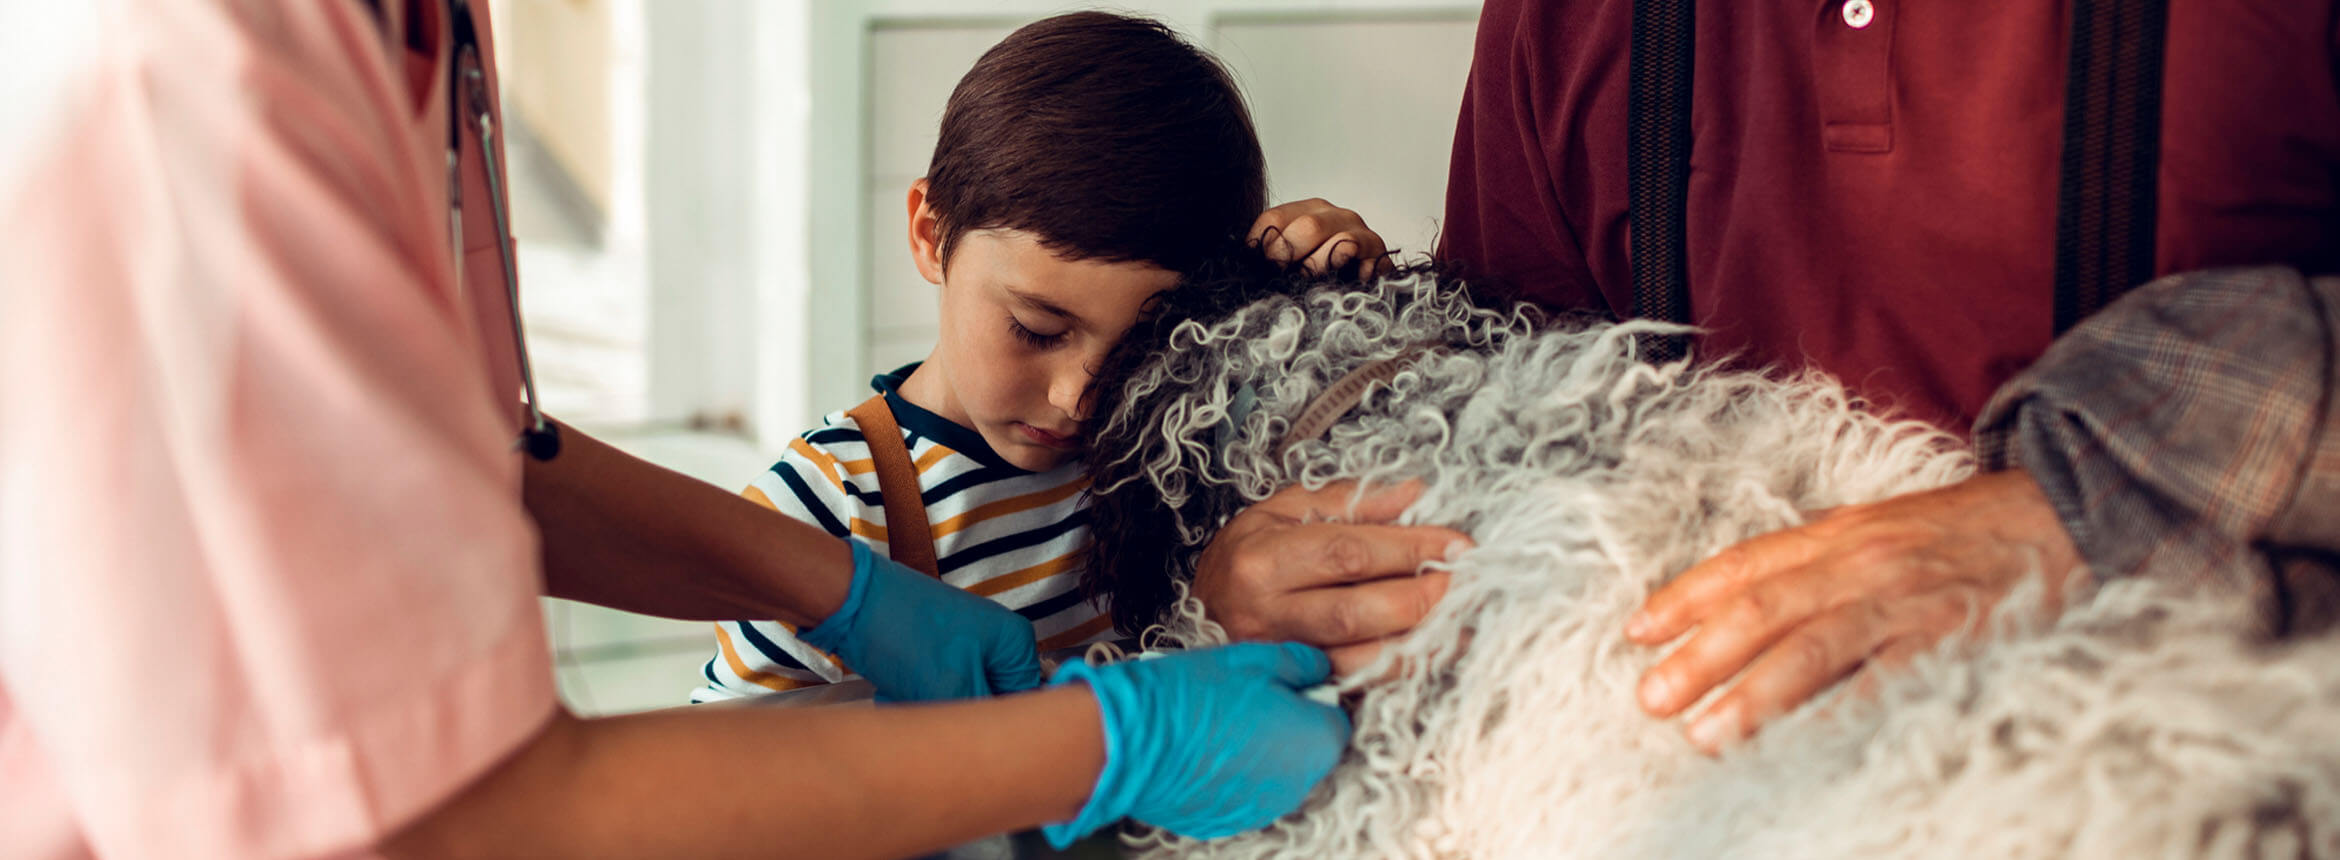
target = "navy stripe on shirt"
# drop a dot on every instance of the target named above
(932, 496)
(812, 503)
(1053, 605)
(936, 494)
(771, 650)
(1012, 542)
(833, 435)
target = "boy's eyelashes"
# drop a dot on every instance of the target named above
(1034, 339)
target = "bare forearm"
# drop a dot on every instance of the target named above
(621, 532)
(712, 782)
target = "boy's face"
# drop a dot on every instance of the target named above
(1021, 331)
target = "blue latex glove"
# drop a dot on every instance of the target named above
(1207, 743)
(916, 638)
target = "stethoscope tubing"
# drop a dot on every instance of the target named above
(469, 104)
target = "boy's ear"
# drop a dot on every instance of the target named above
(925, 235)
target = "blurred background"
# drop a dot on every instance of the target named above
(709, 201)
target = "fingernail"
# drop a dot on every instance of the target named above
(1455, 548)
(1715, 729)
(1655, 691)
(1637, 627)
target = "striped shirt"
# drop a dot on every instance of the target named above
(1014, 536)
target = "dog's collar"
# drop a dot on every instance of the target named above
(1343, 395)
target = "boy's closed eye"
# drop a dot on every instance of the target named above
(1037, 321)
(1037, 338)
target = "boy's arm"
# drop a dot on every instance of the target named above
(620, 532)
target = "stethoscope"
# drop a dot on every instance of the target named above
(468, 104)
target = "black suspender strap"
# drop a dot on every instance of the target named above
(2105, 209)
(1657, 161)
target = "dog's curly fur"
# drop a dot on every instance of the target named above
(1134, 574)
(2140, 721)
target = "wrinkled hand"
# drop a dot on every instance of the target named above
(1207, 743)
(1279, 571)
(1792, 612)
(1321, 237)
(917, 639)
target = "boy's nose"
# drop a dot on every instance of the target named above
(1068, 392)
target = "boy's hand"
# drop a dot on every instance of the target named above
(1322, 237)
(917, 638)
(1302, 565)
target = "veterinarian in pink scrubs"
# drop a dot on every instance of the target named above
(269, 562)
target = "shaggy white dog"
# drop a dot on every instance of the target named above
(2142, 722)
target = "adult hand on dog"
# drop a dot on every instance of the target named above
(1282, 570)
(1792, 612)
(1321, 237)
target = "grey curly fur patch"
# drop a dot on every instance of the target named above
(2140, 722)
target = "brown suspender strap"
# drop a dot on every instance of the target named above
(909, 540)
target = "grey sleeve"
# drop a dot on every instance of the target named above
(2192, 430)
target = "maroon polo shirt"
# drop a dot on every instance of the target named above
(1880, 201)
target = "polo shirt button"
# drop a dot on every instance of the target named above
(1858, 13)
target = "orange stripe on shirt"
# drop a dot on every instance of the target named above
(932, 456)
(738, 667)
(866, 529)
(1010, 505)
(757, 496)
(1027, 576)
(820, 458)
(1074, 636)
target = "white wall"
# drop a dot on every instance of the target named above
(585, 299)
(912, 68)
(1358, 109)
(730, 105)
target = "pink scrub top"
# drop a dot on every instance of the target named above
(267, 588)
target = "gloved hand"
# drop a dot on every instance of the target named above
(1207, 743)
(916, 638)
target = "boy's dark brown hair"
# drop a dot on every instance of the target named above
(1105, 136)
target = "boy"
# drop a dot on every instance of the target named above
(1085, 164)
